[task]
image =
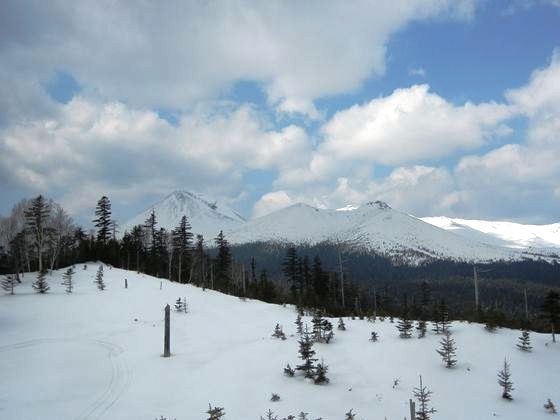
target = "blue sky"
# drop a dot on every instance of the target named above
(261, 106)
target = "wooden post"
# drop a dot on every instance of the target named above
(412, 409)
(125, 283)
(167, 338)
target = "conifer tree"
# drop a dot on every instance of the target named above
(444, 316)
(328, 333)
(8, 283)
(179, 305)
(504, 380)
(299, 324)
(215, 413)
(341, 326)
(524, 341)
(99, 278)
(551, 311)
(269, 415)
(404, 325)
(550, 407)
(349, 415)
(288, 371)
(41, 285)
(37, 218)
(102, 220)
(424, 396)
(448, 350)
(374, 337)
(278, 333)
(290, 269)
(223, 262)
(320, 376)
(67, 280)
(317, 322)
(421, 328)
(306, 354)
(182, 242)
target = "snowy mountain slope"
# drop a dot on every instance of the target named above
(508, 234)
(373, 226)
(206, 216)
(96, 355)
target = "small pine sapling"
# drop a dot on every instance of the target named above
(288, 371)
(504, 380)
(421, 328)
(317, 322)
(215, 413)
(328, 332)
(321, 374)
(341, 326)
(303, 416)
(306, 354)
(269, 416)
(8, 283)
(423, 395)
(550, 407)
(275, 397)
(374, 337)
(299, 325)
(278, 333)
(404, 325)
(67, 280)
(396, 383)
(524, 341)
(41, 285)
(99, 278)
(350, 415)
(448, 350)
(179, 305)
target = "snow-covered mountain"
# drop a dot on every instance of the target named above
(206, 216)
(506, 234)
(374, 226)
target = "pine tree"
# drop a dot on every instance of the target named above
(269, 416)
(504, 380)
(299, 324)
(404, 325)
(328, 333)
(349, 415)
(421, 328)
(67, 280)
(37, 218)
(551, 311)
(448, 350)
(444, 322)
(288, 371)
(524, 341)
(41, 285)
(423, 395)
(103, 220)
(99, 278)
(320, 376)
(317, 322)
(223, 262)
(278, 333)
(374, 337)
(290, 269)
(179, 305)
(550, 407)
(341, 326)
(8, 283)
(215, 413)
(182, 242)
(306, 354)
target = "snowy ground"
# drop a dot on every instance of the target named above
(97, 355)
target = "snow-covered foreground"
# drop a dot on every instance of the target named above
(97, 354)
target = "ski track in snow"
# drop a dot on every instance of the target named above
(118, 382)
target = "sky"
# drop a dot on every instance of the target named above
(438, 107)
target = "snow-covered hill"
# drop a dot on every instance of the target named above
(374, 226)
(508, 234)
(206, 216)
(97, 355)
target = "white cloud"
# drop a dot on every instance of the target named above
(175, 54)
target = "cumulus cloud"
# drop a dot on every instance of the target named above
(174, 54)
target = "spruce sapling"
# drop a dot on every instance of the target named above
(423, 395)
(374, 337)
(299, 325)
(341, 326)
(404, 325)
(179, 305)
(288, 371)
(504, 380)
(421, 328)
(278, 333)
(99, 278)
(321, 374)
(41, 285)
(350, 415)
(8, 283)
(550, 407)
(524, 341)
(67, 280)
(448, 350)
(306, 354)
(215, 413)
(274, 397)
